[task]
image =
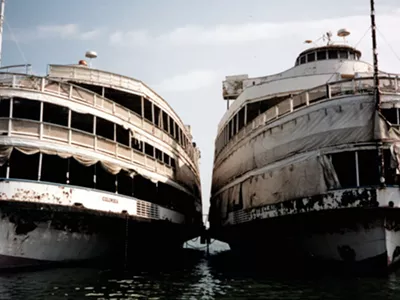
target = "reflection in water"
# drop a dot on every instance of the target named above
(191, 275)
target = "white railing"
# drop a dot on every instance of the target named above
(86, 97)
(365, 85)
(84, 140)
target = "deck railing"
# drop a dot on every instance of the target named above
(40, 131)
(80, 95)
(364, 85)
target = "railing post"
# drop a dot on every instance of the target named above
(276, 111)
(13, 83)
(94, 132)
(10, 117)
(70, 92)
(291, 104)
(328, 91)
(69, 127)
(307, 98)
(42, 84)
(395, 84)
(41, 121)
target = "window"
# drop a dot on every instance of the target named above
(105, 128)
(122, 135)
(26, 109)
(82, 122)
(321, 55)
(4, 108)
(149, 149)
(332, 54)
(310, 56)
(165, 121)
(55, 114)
(343, 54)
(148, 114)
(345, 167)
(303, 59)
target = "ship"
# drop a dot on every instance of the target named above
(306, 161)
(94, 165)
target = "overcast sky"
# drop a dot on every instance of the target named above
(184, 48)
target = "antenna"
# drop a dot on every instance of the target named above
(91, 55)
(2, 5)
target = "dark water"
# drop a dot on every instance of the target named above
(193, 276)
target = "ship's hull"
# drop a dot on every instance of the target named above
(366, 235)
(34, 232)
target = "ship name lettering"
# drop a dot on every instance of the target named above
(106, 199)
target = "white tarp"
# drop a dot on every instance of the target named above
(344, 121)
(330, 124)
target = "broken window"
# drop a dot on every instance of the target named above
(157, 116)
(345, 167)
(55, 114)
(391, 114)
(105, 181)
(94, 88)
(54, 169)
(234, 125)
(4, 108)
(176, 132)
(3, 170)
(83, 122)
(26, 109)
(252, 111)
(145, 189)
(81, 175)
(241, 118)
(125, 183)
(165, 121)
(24, 166)
(391, 177)
(159, 155)
(171, 130)
(167, 159)
(368, 167)
(149, 149)
(122, 135)
(137, 145)
(173, 163)
(130, 101)
(148, 113)
(105, 128)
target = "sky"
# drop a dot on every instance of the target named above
(183, 49)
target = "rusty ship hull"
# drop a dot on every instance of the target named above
(49, 224)
(358, 228)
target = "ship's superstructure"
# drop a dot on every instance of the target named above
(307, 160)
(86, 155)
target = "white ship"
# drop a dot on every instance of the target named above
(92, 165)
(307, 160)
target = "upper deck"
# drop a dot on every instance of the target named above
(313, 67)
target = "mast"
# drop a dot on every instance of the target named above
(2, 5)
(375, 56)
(376, 91)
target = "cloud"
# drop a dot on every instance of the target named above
(64, 31)
(236, 34)
(192, 80)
